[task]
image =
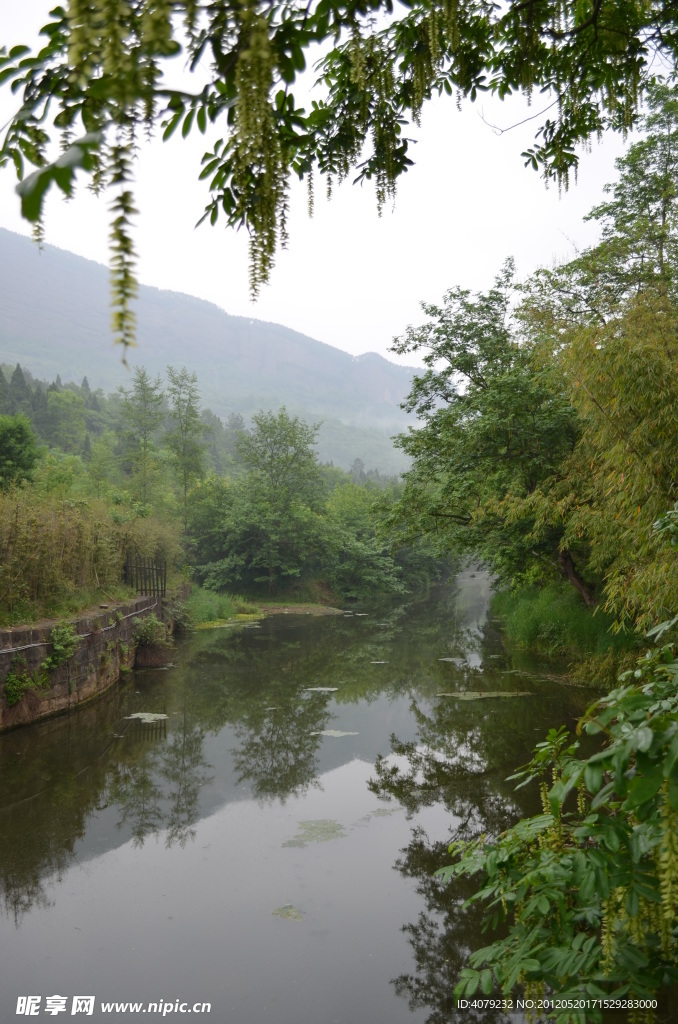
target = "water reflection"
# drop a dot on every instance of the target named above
(156, 785)
(279, 742)
(463, 751)
(441, 938)
(241, 759)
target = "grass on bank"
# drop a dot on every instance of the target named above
(553, 620)
(65, 606)
(206, 608)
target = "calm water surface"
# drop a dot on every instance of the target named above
(268, 848)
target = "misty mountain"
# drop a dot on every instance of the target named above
(55, 318)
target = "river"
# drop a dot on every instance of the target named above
(268, 847)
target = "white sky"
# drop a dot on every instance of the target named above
(348, 278)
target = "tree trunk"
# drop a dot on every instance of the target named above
(570, 573)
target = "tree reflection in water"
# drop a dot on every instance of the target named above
(157, 786)
(459, 761)
(278, 749)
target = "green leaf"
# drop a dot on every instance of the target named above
(32, 191)
(643, 787)
(188, 121)
(593, 777)
(171, 125)
(472, 982)
(643, 738)
(530, 964)
(611, 839)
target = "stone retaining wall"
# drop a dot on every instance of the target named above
(106, 648)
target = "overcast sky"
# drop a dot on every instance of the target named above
(348, 277)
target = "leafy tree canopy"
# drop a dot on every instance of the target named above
(280, 455)
(496, 423)
(549, 428)
(99, 78)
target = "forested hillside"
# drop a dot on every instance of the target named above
(243, 365)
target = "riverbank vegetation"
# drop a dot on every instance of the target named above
(553, 620)
(548, 448)
(88, 478)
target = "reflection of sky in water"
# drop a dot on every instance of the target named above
(139, 865)
(198, 924)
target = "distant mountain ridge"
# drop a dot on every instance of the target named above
(55, 318)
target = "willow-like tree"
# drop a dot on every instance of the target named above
(608, 322)
(99, 80)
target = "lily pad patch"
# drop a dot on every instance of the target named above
(288, 912)
(320, 830)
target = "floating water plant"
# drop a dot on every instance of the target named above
(288, 912)
(321, 830)
(148, 717)
(334, 732)
(483, 694)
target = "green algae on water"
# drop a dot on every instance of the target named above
(288, 912)
(321, 830)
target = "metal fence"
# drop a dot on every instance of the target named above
(148, 576)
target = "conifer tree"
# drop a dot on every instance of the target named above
(19, 393)
(185, 439)
(143, 407)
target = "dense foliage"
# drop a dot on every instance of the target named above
(589, 888)
(97, 82)
(285, 519)
(18, 451)
(549, 428)
(548, 448)
(146, 470)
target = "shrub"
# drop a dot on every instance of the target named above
(19, 681)
(209, 606)
(587, 891)
(64, 641)
(554, 620)
(151, 632)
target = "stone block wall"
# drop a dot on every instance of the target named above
(106, 647)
